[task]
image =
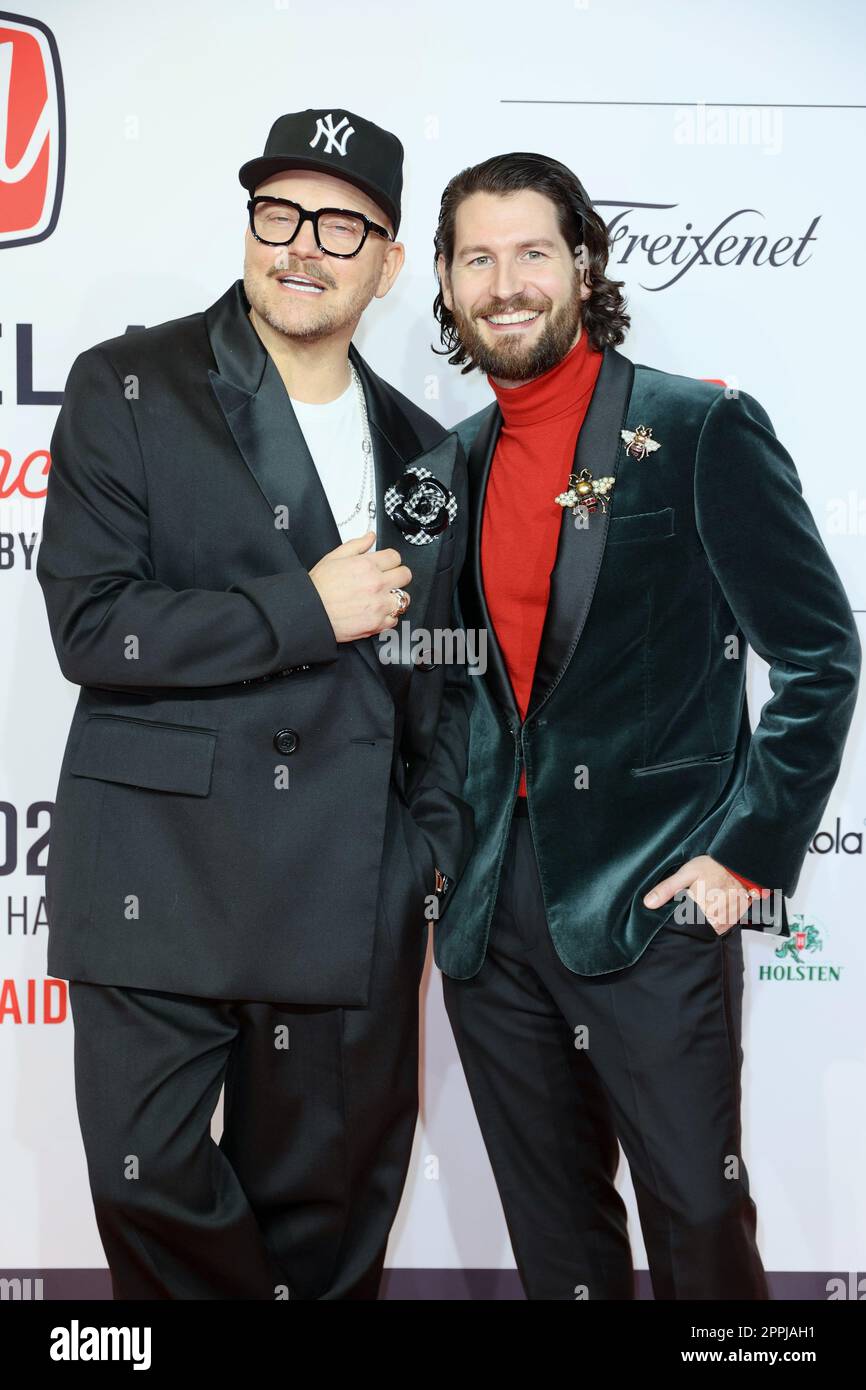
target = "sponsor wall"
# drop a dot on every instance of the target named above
(718, 145)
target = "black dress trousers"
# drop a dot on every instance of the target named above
(298, 1198)
(560, 1066)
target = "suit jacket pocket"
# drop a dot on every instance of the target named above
(144, 753)
(641, 526)
(698, 761)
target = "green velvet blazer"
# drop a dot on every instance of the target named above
(708, 545)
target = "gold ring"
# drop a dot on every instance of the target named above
(403, 598)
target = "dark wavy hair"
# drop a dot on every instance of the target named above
(603, 314)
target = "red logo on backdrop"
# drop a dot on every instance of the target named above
(32, 131)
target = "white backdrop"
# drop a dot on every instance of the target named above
(163, 103)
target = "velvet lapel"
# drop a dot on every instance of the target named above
(579, 551)
(473, 601)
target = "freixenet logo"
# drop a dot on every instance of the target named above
(32, 131)
(794, 956)
(642, 230)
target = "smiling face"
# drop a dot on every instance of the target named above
(512, 287)
(300, 290)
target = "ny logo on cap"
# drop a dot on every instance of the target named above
(327, 129)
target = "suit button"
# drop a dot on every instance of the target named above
(285, 740)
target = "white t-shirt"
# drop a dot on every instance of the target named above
(333, 433)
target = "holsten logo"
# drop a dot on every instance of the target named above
(738, 238)
(794, 955)
(32, 131)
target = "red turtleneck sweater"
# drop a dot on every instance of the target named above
(521, 524)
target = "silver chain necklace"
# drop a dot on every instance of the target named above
(366, 449)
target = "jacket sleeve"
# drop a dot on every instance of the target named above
(747, 882)
(112, 623)
(765, 550)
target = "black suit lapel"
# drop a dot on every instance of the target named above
(273, 447)
(259, 414)
(395, 444)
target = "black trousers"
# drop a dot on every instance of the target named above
(320, 1104)
(561, 1066)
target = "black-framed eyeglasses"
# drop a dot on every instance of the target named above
(338, 231)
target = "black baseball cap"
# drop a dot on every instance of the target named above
(333, 142)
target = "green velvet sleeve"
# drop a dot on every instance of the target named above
(765, 550)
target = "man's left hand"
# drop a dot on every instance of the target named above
(721, 897)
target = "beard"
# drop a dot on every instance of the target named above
(316, 321)
(509, 359)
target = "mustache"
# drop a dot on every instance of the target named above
(312, 271)
(512, 308)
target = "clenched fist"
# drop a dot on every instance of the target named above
(355, 583)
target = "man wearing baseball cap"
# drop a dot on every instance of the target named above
(256, 812)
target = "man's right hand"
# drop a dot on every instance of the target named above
(355, 583)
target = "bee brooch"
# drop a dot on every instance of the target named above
(585, 493)
(639, 443)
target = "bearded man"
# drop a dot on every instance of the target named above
(632, 532)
